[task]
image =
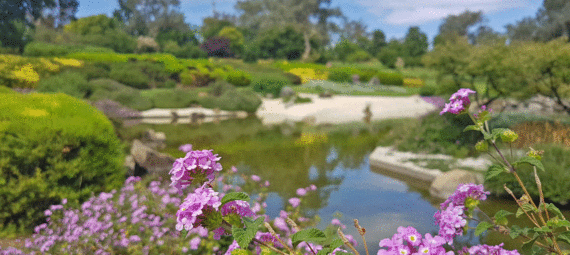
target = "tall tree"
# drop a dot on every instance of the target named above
(554, 18)
(148, 17)
(18, 16)
(523, 30)
(415, 44)
(458, 25)
(262, 14)
(377, 43)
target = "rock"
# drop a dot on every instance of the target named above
(287, 92)
(374, 81)
(154, 139)
(399, 63)
(445, 184)
(356, 78)
(149, 161)
(130, 165)
(326, 94)
(115, 110)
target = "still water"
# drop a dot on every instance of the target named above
(335, 159)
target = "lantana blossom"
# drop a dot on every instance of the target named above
(459, 101)
(195, 165)
(195, 205)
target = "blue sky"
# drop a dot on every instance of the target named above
(394, 17)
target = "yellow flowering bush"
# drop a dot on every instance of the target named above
(26, 77)
(308, 74)
(69, 62)
(49, 66)
(413, 82)
(311, 138)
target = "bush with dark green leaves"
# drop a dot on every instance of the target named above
(269, 85)
(170, 98)
(94, 70)
(239, 78)
(342, 74)
(6, 90)
(52, 146)
(130, 75)
(367, 74)
(42, 49)
(428, 91)
(555, 179)
(71, 83)
(232, 99)
(293, 78)
(125, 95)
(391, 78)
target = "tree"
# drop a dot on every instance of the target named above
(486, 35)
(102, 31)
(212, 26)
(415, 44)
(281, 43)
(391, 52)
(260, 15)
(148, 17)
(377, 43)
(524, 30)
(458, 25)
(19, 16)
(236, 39)
(554, 18)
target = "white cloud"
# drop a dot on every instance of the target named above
(413, 12)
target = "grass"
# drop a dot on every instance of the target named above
(375, 64)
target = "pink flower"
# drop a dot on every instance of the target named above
(301, 192)
(196, 164)
(255, 178)
(459, 101)
(201, 202)
(234, 169)
(294, 201)
(195, 243)
(185, 148)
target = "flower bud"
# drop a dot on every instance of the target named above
(535, 154)
(482, 146)
(509, 136)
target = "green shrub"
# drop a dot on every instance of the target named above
(427, 91)
(52, 147)
(358, 56)
(196, 78)
(269, 85)
(94, 70)
(232, 99)
(130, 75)
(71, 83)
(367, 74)
(391, 78)
(555, 179)
(218, 88)
(170, 98)
(302, 100)
(42, 49)
(239, 78)
(341, 74)
(294, 79)
(169, 84)
(125, 95)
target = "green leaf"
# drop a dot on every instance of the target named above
(342, 253)
(232, 196)
(484, 116)
(496, 133)
(530, 160)
(482, 227)
(243, 236)
(501, 217)
(240, 252)
(495, 170)
(527, 246)
(554, 209)
(526, 207)
(544, 229)
(516, 231)
(564, 237)
(308, 235)
(557, 223)
(472, 127)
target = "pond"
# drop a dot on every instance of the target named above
(335, 159)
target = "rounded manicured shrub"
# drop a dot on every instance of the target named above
(391, 78)
(414, 82)
(239, 78)
(52, 146)
(269, 85)
(71, 83)
(170, 98)
(126, 96)
(293, 78)
(341, 74)
(130, 75)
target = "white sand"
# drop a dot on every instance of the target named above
(342, 109)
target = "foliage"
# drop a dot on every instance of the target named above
(269, 85)
(24, 72)
(170, 98)
(280, 43)
(235, 37)
(232, 99)
(457, 25)
(125, 73)
(239, 78)
(50, 153)
(428, 91)
(294, 79)
(70, 83)
(41, 49)
(218, 47)
(6, 90)
(391, 52)
(416, 45)
(391, 78)
(341, 74)
(306, 74)
(126, 96)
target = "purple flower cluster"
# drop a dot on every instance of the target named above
(200, 165)
(199, 203)
(409, 241)
(489, 250)
(451, 218)
(459, 101)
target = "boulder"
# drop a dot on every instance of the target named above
(115, 110)
(149, 161)
(326, 94)
(287, 92)
(356, 78)
(154, 139)
(445, 184)
(374, 81)
(130, 165)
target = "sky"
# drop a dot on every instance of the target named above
(393, 17)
